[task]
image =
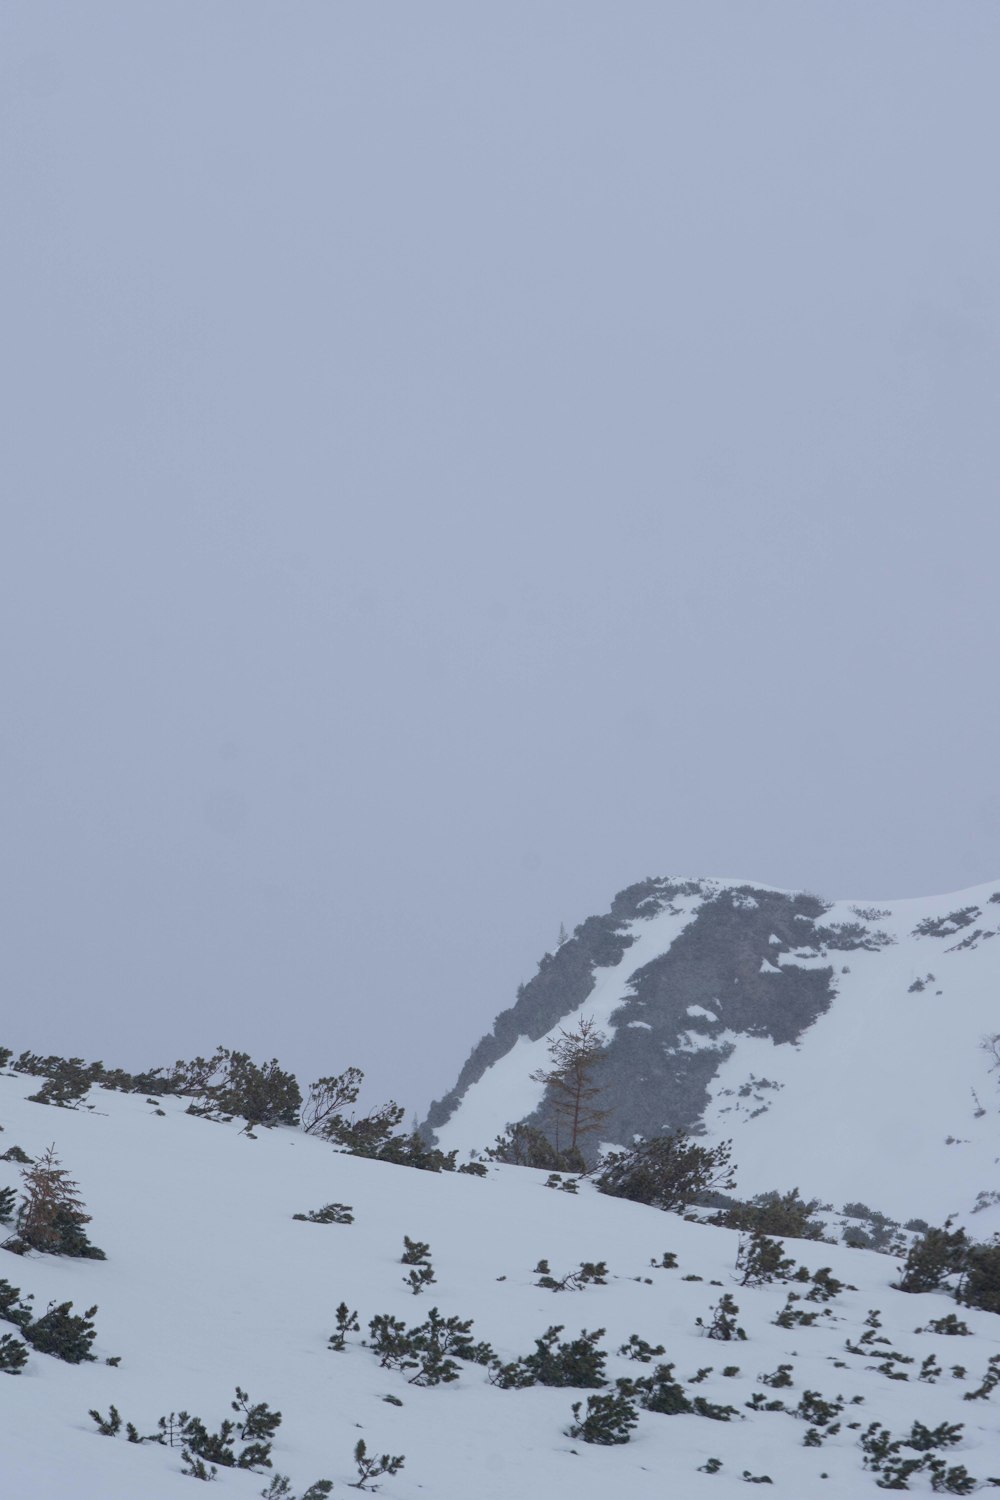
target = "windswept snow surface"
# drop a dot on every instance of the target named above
(210, 1283)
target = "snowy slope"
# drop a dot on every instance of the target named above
(839, 1046)
(210, 1283)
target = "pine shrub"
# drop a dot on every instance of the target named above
(578, 1362)
(13, 1354)
(231, 1085)
(667, 1171)
(373, 1468)
(280, 1488)
(980, 1282)
(526, 1146)
(783, 1215)
(760, 1260)
(330, 1213)
(347, 1322)
(931, 1259)
(63, 1334)
(50, 1217)
(661, 1392)
(608, 1419)
(432, 1348)
(723, 1324)
(573, 1281)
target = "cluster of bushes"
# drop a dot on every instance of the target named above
(525, 1146)
(59, 1331)
(946, 1259)
(785, 1215)
(230, 1085)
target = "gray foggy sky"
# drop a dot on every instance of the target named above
(460, 459)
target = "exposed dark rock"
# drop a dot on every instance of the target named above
(724, 965)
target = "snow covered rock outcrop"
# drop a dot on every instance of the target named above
(837, 1044)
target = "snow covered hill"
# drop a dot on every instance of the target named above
(210, 1283)
(837, 1045)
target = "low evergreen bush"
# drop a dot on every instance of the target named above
(432, 1348)
(667, 1171)
(608, 1420)
(13, 1354)
(347, 1322)
(373, 1468)
(331, 1213)
(938, 1254)
(577, 1363)
(782, 1215)
(526, 1146)
(980, 1281)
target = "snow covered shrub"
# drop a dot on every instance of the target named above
(13, 1354)
(525, 1146)
(8, 1199)
(67, 1084)
(322, 1112)
(196, 1468)
(760, 1260)
(941, 927)
(418, 1255)
(330, 1213)
(15, 1153)
(432, 1348)
(936, 1255)
(667, 1171)
(50, 1217)
(825, 1286)
(230, 1084)
(573, 1281)
(660, 1392)
(980, 1283)
(413, 1151)
(577, 1363)
(989, 1382)
(12, 1309)
(791, 1316)
(372, 1137)
(373, 1468)
(254, 1427)
(783, 1215)
(608, 1420)
(280, 1488)
(949, 1324)
(347, 1322)
(415, 1252)
(63, 1334)
(638, 1349)
(723, 1324)
(108, 1426)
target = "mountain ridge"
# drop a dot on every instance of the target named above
(718, 997)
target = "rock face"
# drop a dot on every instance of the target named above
(723, 1001)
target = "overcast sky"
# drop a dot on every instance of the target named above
(460, 459)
